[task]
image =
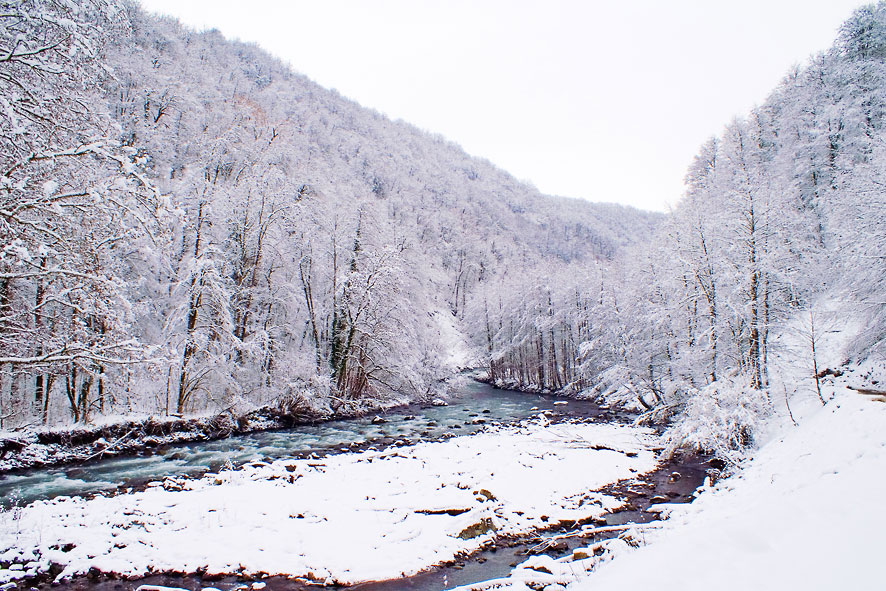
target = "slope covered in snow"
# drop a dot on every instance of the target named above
(800, 511)
(251, 236)
(805, 513)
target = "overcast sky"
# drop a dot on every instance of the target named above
(606, 101)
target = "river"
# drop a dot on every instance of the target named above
(475, 406)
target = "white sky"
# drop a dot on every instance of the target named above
(607, 101)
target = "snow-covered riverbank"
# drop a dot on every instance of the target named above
(804, 512)
(347, 518)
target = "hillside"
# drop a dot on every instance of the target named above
(778, 241)
(197, 228)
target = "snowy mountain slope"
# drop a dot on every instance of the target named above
(782, 209)
(250, 236)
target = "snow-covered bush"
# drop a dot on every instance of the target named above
(305, 399)
(721, 418)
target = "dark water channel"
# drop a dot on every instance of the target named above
(476, 406)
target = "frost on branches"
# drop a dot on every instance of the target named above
(782, 211)
(191, 227)
(188, 226)
(74, 204)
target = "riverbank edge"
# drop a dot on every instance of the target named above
(75, 444)
(568, 391)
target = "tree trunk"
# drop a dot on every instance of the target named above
(71, 391)
(195, 295)
(39, 383)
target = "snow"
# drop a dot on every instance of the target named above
(801, 511)
(457, 353)
(345, 519)
(804, 514)
(49, 188)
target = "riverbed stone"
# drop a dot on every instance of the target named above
(484, 526)
(484, 495)
(171, 484)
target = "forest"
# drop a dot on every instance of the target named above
(190, 227)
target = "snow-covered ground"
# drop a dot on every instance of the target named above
(347, 518)
(803, 511)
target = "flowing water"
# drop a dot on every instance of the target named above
(475, 406)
